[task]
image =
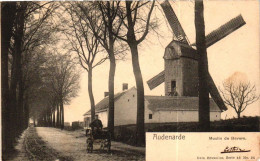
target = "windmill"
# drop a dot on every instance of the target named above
(180, 73)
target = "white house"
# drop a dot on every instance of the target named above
(158, 109)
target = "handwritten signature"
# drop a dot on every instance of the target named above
(234, 150)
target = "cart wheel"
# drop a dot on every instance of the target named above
(109, 149)
(102, 145)
(89, 148)
(89, 145)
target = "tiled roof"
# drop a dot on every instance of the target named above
(103, 104)
(161, 103)
(180, 49)
(179, 43)
(168, 103)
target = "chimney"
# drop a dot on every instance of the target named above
(125, 86)
(106, 94)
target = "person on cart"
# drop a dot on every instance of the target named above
(96, 127)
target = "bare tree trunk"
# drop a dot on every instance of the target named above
(20, 107)
(140, 132)
(238, 115)
(13, 101)
(62, 115)
(111, 83)
(60, 121)
(38, 121)
(53, 121)
(34, 123)
(49, 119)
(51, 115)
(44, 120)
(16, 70)
(26, 111)
(7, 13)
(132, 42)
(90, 92)
(58, 116)
(204, 109)
(111, 94)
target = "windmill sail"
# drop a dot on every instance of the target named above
(215, 94)
(156, 80)
(224, 30)
(174, 22)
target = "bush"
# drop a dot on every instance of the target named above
(125, 134)
(71, 128)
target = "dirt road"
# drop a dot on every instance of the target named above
(52, 144)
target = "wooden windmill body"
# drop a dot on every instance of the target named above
(180, 74)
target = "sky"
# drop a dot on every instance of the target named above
(238, 52)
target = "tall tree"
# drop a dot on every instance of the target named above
(8, 11)
(35, 74)
(63, 81)
(16, 74)
(20, 14)
(83, 42)
(32, 72)
(136, 25)
(38, 34)
(58, 84)
(107, 11)
(204, 109)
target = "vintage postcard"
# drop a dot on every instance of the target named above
(167, 80)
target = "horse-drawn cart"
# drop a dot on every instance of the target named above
(101, 137)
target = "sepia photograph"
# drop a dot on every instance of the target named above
(116, 80)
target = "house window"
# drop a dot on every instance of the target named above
(150, 116)
(133, 95)
(128, 100)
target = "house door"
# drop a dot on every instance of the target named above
(173, 91)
